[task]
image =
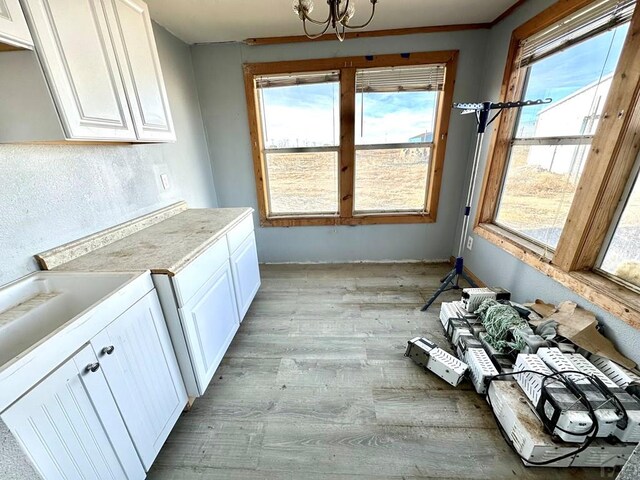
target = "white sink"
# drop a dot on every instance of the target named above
(35, 307)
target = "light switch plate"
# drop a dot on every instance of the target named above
(164, 178)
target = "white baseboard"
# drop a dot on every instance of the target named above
(336, 262)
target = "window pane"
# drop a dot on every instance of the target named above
(305, 183)
(300, 115)
(391, 179)
(397, 117)
(538, 190)
(578, 80)
(623, 255)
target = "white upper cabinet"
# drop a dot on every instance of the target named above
(95, 75)
(13, 28)
(71, 39)
(138, 56)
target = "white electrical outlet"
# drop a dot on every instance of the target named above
(164, 178)
(469, 243)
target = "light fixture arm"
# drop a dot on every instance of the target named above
(315, 35)
(373, 12)
(344, 11)
(305, 16)
(340, 13)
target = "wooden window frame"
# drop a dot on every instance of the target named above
(609, 163)
(346, 153)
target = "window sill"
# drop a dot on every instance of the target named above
(606, 294)
(334, 220)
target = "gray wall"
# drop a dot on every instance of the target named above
(492, 264)
(51, 194)
(218, 70)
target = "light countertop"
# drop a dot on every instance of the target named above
(165, 247)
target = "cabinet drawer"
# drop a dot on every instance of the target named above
(239, 233)
(191, 278)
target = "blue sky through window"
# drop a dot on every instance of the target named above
(397, 117)
(566, 72)
(308, 115)
(301, 115)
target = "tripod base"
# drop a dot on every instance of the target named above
(451, 282)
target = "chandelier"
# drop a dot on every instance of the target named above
(340, 14)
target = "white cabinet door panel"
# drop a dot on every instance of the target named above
(71, 428)
(246, 274)
(13, 27)
(210, 321)
(72, 42)
(140, 64)
(141, 368)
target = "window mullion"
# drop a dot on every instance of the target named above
(565, 140)
(347, 141)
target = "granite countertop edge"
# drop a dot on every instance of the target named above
(171, 268)
(186, 260)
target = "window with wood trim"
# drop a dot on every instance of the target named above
(301, 136)
(620, 255)
(558, 189)
(572, 63)
(350, 141)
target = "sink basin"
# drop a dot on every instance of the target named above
(38, 305)
(46, 317)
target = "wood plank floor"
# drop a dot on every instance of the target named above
(315, 386)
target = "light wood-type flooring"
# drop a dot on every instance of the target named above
(315, 387)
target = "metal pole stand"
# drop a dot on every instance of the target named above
(452, 280)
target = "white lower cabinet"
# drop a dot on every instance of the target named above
(246, 273)
(210, 320)
(205, 301)
(140, 366)
(70, 426)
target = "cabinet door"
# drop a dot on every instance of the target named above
(138, 58)
(13, 28)
(210, 320)
(70, 427)
(246, 274)
(140, 366)
(77, 56)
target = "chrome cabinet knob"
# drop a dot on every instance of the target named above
(92, 367)
(108, 350)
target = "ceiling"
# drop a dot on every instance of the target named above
(205, 21)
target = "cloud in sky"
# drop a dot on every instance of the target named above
(308, 115)
(570, 70)
(302, 115)
(394, 117)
